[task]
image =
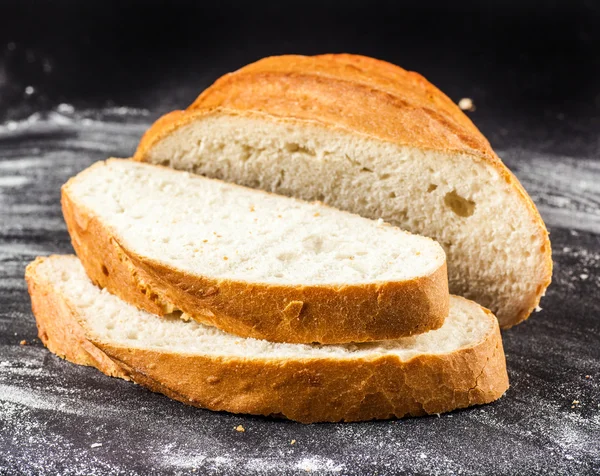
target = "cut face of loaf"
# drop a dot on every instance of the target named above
(248, 262)
(458, 365)
(368, 137)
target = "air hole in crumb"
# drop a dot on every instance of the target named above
(105, 270)
(366, 169)
(280, 179)
(313, 243)
(165, 162)
(384, 176)
(286, 256)
(447, 244)
(278, 275)
(431, 187)
(246, 152)
(132, 335)
(294, 147)
(459, 205)
(392, 195)
(351, 160)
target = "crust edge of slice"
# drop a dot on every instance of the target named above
(305, 390)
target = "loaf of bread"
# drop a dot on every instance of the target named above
(368, 137)
(251, 263)
(458, 365)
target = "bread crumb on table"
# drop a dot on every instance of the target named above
(574, 403)
(95, 445)
(23, 342)
(240, 428)
(293, 442)
(466, 104)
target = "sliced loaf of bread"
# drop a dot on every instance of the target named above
(368, 137)
(458, 365)
(251, 263)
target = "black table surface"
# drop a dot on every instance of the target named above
(80, 83)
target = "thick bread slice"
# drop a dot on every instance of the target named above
(369, 137)
(251, 263)
(458, 365)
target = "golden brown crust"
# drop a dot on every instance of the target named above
(341, 91)
(359, 95)
(306, 390)
(279, 313)
(58, 325)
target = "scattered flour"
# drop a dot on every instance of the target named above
(13, 181)
(322, 465)
(565, 189)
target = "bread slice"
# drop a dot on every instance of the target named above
(458, 365)
(251, 263)
(368, 137)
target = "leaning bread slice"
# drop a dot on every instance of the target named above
(251, 263)
(368, 137)
(458, 365)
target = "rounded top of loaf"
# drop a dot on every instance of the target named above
(350, 91)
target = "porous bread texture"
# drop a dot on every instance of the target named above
(458, 365)
(210, 227)
(366, 136)
(108, 319)
(251, 263)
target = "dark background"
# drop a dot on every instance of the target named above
(532, 69)
(524, 62)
